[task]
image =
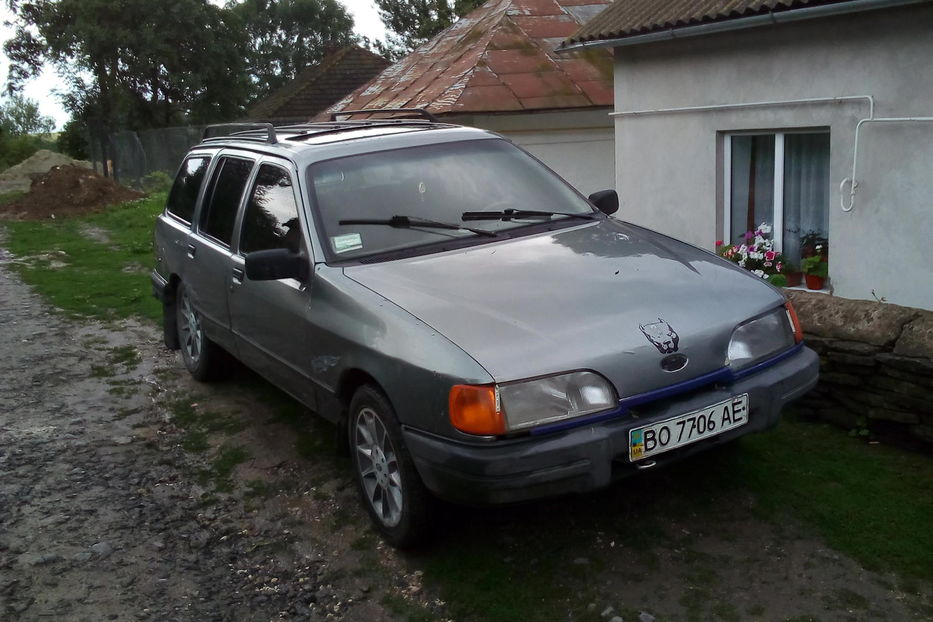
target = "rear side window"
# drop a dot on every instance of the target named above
(185, 190)
(271, 219)
(219, 212)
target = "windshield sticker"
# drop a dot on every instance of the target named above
(347, 242)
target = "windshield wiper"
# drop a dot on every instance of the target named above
(413, 222)
(518, 214)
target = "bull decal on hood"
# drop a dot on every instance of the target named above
(660, 333)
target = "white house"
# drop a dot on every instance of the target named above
(815, 116)
(496, 69)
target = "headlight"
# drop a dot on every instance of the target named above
(534, 402)
(493, 410)
(761, 338)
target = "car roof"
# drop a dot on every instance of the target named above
(310, 142)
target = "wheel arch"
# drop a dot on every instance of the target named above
(350, 381)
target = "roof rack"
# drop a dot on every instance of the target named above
(420, 111)
(270, 137)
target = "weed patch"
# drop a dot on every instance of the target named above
(227, 459)
(199, 424)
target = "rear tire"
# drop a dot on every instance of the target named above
(389, 485)
(203, 358)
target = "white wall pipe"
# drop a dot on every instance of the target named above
(762, 104)
(853, 181)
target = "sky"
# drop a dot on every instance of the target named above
(42, 88)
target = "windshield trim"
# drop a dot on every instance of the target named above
(520, 230)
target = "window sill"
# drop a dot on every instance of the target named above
(804, 288)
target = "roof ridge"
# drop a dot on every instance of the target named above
(499, 57)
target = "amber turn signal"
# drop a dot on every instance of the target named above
(473, 410)
(795, 322)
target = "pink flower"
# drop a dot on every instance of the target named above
(718, 242)
(767, 264)
(779, 266)
(770, 255)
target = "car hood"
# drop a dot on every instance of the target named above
(606, 296)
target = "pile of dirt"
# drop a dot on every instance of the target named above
(18, 178)
(67, 191)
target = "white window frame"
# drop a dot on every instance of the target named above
(777, 231)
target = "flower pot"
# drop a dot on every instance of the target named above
(793, 278)
(814, 282)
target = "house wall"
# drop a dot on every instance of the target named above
(577, 144)
(669, 166)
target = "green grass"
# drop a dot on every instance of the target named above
(199, 424)
(98, 280)
(870, 502)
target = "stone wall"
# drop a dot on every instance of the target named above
(876, 366)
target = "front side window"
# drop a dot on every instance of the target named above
(184, 193)
(435, 182)
(220, 207)
(781, 180)
(271, 218)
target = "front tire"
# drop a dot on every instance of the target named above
(203, 358)
(389, 486)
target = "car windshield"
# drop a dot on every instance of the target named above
(435, 182)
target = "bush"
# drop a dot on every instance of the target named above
(156, 181)
(73, 140)
(15, 149)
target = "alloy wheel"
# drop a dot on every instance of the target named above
(378, 467)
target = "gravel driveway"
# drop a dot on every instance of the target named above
(103, 514)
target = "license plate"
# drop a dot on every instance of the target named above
(685, 429)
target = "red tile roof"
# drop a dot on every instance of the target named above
(626, 18)
(318, 86)
(498, 58)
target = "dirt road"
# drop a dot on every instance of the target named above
(105, 515)
(129, 492)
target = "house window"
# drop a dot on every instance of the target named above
(780, 179)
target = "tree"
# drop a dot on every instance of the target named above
(146, 64)
(285, 36)
(413, 22)
(20, 115)
(20, 122)
(73, 140)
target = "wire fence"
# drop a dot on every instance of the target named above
(134, 155)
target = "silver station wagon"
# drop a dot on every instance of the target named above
(477, 330)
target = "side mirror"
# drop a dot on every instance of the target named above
(278, 263)
(606, 200)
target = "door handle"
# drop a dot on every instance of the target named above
(192, 249)
(238, 274)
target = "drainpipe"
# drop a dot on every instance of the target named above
(852, 182)
(762, 104)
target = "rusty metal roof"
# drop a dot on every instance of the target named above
(498, 58)
(627, 18)
(318, 86)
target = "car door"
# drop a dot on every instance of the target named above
(269, 318)
(209, 248)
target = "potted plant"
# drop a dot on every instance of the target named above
(816, 270)
(755, 252)
(793, 275)
(814, 243)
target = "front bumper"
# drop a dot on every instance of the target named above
(592, 456)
